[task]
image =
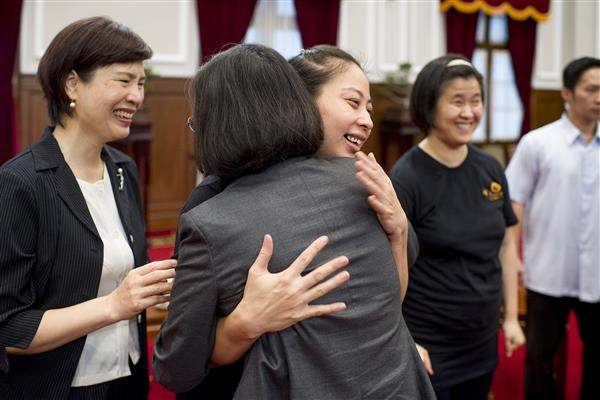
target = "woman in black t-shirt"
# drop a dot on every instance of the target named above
(457, 199)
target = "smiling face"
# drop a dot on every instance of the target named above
(344, 103)
(105, 104)
(458, 111)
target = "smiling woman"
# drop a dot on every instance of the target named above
(341, 90)
(345, 106)
(106, 101)
(72, 322)
(457, 199)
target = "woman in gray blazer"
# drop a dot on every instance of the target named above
(254, 118)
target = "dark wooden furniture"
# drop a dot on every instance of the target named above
(154, 319)
(137, 145)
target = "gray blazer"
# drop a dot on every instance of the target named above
(363, 352)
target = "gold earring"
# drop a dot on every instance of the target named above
(72, 104)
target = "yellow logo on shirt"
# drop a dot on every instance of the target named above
(494, 192)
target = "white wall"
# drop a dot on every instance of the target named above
(572, 31)
(382, 33)
(387, 32)
(168, 26)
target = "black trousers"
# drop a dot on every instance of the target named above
(473, 389)
(131, 387)
(546, 319)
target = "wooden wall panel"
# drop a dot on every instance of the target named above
(546, 106)
(31, 110)
(172, 169)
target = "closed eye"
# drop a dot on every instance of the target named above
(354, 102)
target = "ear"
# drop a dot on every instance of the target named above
(566, 95)
(71, 84)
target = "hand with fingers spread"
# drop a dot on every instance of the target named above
(383, 198)
(142, 287)
(275, 301)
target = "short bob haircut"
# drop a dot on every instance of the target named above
(250, 111)
(318, 64)
(430, 84)
(83, 47)
(573, 71)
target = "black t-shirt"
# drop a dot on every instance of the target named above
(454, 295)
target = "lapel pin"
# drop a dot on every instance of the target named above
(121, 179)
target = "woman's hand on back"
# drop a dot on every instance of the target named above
(383, 198)
(275, 301)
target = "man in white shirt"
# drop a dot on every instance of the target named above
(555, 188)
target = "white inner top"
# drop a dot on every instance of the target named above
(106, 351)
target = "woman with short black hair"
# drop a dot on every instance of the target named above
(261, 108)
(72, 321)
(456, 197)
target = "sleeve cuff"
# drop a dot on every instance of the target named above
(19, 330)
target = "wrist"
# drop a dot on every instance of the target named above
(399, 236)
(244, 325)
(511, 311)
(111, 314)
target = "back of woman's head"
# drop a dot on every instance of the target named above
(84, 46)
(430, 84)
(319, 64)
(251, 110)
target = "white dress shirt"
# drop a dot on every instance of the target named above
(554, 173)
(106, 352)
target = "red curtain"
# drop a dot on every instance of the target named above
(317, 21)
(461, 31)
(521, 44)
(222, 22)
(10, 19)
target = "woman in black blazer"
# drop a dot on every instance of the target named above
(63, 287)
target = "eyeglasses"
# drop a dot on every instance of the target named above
(190, 123)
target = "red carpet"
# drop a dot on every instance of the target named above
(157, 391)
(508, 381)
(160, 252)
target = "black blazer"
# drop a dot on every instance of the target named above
(51, 257)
